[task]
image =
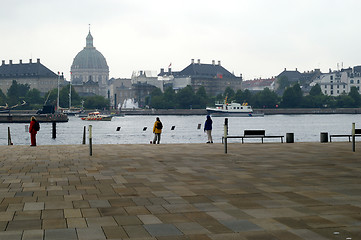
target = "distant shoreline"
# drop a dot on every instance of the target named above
(266, 111)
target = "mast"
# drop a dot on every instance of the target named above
(69, 96)
(57, 101)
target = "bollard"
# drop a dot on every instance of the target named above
(225, 134)
(90, 140)
(54, 130)
(9, 137)
(84, 135)
(324, 137)
(290, 138)
(353, 138)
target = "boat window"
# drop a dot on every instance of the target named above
(241, 107)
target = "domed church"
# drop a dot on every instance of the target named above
(90, 71)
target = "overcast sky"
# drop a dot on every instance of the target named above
(256, 38)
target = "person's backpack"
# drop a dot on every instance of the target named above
(159, 125)
(36, 126)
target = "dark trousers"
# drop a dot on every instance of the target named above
(33, 139)
(156, 138)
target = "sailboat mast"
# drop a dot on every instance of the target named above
(69, 96)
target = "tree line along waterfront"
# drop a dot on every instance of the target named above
(185, 98)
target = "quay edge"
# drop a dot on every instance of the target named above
(25, 118)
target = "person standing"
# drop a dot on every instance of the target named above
(157, 130)
(33, 130)
(208, 128)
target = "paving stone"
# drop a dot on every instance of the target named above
(33, 206)
(149, 219)
(11, 235)
(240, 225)
(114, 232)
(95, 233)
(127, 220)
(76, 222)
(23, 225)
(158, 230)
(191, 228)
(52, 214)
(136, 231)
(32, 234)
(72, 213)
(61, 234)
(99, 203)
(101, 221)
(54, 223)
(27, 215)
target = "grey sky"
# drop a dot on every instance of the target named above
(258, 38)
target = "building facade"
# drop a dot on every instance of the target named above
(339, 82)
(89, 67)
(33, 73)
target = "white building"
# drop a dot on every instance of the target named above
(338, 82)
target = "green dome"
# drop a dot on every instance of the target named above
(89, 57)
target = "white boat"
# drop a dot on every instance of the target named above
(96, 116)
(232, 109)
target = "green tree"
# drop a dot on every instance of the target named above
(292, 97)
(316, 90)
(244, 97)
(3, 99)
(169, 98)
(64, 97)
(345, 101)
(355, 95)
(96, 102)
(266, 99)
(200, 98)
(33, 96)
(283, 83)
(185, 98)
(229, 93)
(16, 92)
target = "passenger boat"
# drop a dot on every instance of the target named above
(232, 109)
(96, 116)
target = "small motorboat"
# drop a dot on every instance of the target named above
(96, 116)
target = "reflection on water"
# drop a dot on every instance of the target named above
(306, 128)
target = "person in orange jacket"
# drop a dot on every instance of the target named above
(33, 131)
(157, 130)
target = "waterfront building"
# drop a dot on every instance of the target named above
(294, 76)
(213, 77)
(120, 90)
(33, 73)
(335, 83)
(90, 71)
(259, 84)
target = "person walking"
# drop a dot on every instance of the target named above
(33, 130)
(157, 130)
(208, 128)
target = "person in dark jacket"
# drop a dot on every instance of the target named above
(208, 128)
(33, 131)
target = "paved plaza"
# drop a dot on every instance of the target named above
(271, 191)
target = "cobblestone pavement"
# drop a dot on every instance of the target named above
(181, 191)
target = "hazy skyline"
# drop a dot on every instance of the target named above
(256, 38)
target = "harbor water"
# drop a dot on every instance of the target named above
(138, 129)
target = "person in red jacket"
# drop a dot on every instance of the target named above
(33, 131)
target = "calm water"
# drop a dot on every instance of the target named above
(306, 128)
